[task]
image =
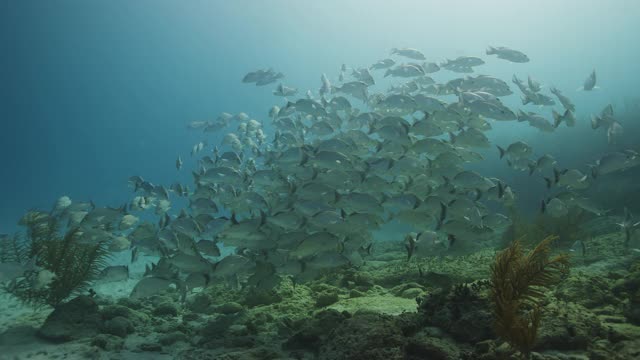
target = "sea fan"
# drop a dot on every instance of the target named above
(72, 262)
(518, 285)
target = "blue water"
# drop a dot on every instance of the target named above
(93, 92)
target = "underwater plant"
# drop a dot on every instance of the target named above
(518, 283)
(63, 265)
(13, 249)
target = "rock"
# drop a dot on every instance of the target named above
(118, 326)
(464, 312)
(258, 353)
(173, 337)
(400, 289)
(588, 291)
(425, 347)
(166, 309)
(229, 308)
(199, 303)
(150, 347)
(412, 293)
(191, 317)
(108, 342)
(567, 326)
(217, 328)
(260, 297)
(76, 319)
(19, 335)
(238, 330)
(365, 337)
(111, 311)
(130, 303)
(385, 304)
(326, 298)
(312, 332)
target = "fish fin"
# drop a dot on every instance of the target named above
(501, 150)
(556, 175)
(557, 119)
(501, 189)
(452, 137)
(549, 182)
(443, 215)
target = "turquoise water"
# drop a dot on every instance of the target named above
(95, 92)
(400, 262)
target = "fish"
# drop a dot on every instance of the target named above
(614, 132)
(408, 52)
(555, 208)
(590, 82)
(430, 67)
(508, 54)
(62, 204)
(537, 99)
(567, 117)
(283, 90)
(470, 138)
(114, 274)
(628, 227)
(571, 178)
(363, 75)
(262, 77)
(605, 119)
(518, 149)
(578, 247)
(615, 161)
(149, 286)
(134, 254)
(127, 222)
(382, 64)
(545, 161)
(357, 89)
(405, 71)
(565, 101)
(325, 88)
(231, 265)
(462, 62)
(196, 280)
(537, 121)
(533, 84)
(190, 263)
(179, 163)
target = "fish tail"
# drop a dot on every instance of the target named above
(557, 119)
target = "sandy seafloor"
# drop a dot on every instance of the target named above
(369, 313)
